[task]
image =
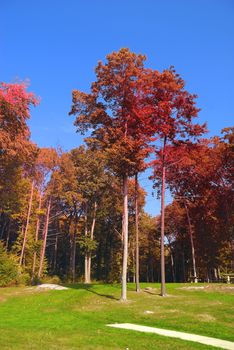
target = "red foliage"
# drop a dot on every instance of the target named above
(15, 104)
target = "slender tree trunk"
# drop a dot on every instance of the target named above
(163, 284)
(27, 224)
(36, 239)
(74, 251)
(134, 265)
(73, 260)
(172, 260)
(86, 254)
(44, 239)
(137, 235)
(219, 275)
(183, 265)
(125, 238)
(8, 236)
(192, 244)
(55, 253)
(207, 274)
(89, 259)
(172, 266)
(215, 274)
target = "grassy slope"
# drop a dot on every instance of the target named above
(77, 318)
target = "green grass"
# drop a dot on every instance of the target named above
(77, 318)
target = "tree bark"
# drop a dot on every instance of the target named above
(89, 259)
(163, 284)
(137, 235)
(73, 259)
(192, 244)
(36, 239)
(8, 236)
(125, 238)
(27, 224)
(86, 254)
(44, 239)
(172, 266)
(183, 266)
(55, 253)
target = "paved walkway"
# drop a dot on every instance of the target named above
(222, 344)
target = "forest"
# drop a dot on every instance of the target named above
(79, 215)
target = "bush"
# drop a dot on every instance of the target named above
(24, 279)
(51, 279)
(8, 268)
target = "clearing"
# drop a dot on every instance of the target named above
(76, 318)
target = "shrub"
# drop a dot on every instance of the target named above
(8, 268)
(51, 279)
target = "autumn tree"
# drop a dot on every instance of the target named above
(202, 182)
(92, 179)
(109, 112)
(17, 152)
(46, 164)
(171, 110)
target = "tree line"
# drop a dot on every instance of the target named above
(80, 214)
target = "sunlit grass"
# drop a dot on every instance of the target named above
(77, 318)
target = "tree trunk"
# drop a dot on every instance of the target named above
(192, 244)
(125, 238)
(55, 254)
(8, 236)
(215, 274)
(73, 259)
(89, 261)
(137, 235)
(27, 224)
(163, 284)
(44, 239)
(172, 266)
(36, 239)
(86, 254)
(183, 265)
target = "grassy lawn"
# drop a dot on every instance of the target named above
(77, 318)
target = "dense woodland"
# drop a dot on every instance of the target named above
(79, 215)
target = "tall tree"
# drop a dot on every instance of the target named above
(171, 109)
(46, 164)
(109, 112)
(92, 179)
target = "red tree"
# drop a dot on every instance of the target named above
(110, 111)
(171, 110)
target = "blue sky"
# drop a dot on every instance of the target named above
(57, 44)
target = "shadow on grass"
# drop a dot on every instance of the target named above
(90, 288)
(151, 292)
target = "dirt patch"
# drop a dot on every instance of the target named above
(194, 288)
(206, 318)
(173, 311)
(49, 310)
(48, 286)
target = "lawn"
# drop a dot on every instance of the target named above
(76, 318)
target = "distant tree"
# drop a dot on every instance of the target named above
(92, 179)
(17, 154)
(15, 103)
(47, 163)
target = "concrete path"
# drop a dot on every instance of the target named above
(222, 344)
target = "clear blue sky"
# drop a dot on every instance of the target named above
(56, 45)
